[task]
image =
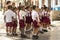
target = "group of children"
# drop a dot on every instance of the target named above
(33, 19)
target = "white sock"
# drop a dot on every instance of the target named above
(40, 28)
(29, 29)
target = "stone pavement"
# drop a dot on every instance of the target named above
(53, 34)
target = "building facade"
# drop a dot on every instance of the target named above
(53, 4)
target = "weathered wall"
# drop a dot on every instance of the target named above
(54, 14)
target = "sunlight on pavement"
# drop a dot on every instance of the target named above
(57, 23)
(2, 31)
(5, 38)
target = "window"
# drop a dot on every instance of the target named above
(56, 2)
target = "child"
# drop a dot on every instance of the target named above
(8, 15)
(14, 21)
(45, 19)
(35, 18)
(19, 8)
(22, 21)
(48, 16)
(40, 18)
(6, 6)
(13, 4)
(28, 19)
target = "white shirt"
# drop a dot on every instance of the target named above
(22, 14)
(28, 13)
(9, 14)
(35, 16)
(40, 15)
(44, 13)
(15, 15)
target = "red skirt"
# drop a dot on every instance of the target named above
(28, 19)
(46, 20)
(9, 24)
(35, 24)
(21, 23)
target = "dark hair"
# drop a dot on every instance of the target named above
(8, 2)
(45, 7)
(27, 7)
(33, 7)
(19, 3)
(41, 7)
(13, 3)
(14, 8)
(22, 7)
(10, 7)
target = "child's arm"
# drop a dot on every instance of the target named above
(4, 18)
(24, 18)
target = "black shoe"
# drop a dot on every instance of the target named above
(35, 37)
(13, 34)
(7, 34)
(49, 28)
(16, 34)
(45, 30)
(23, 36)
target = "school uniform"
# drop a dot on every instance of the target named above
(40, 17)
(21, 19)
(9, 15)
(35, 18)
(28, 17)
(45, 18)
(15, 21)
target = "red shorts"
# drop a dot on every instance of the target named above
(9, 24)
(21, 23)
(28, 19)
(35, 24)
(14, 24)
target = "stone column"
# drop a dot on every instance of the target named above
(46, 3)
(40, 3)
(43, 2)
(49, 3)
(53, 4)
(59, 3)
(33, 2)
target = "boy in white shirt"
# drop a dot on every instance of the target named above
(28, 19)
(5, 8)
(35, 18)
(8, 15)
(14, 21)
(22, 21)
